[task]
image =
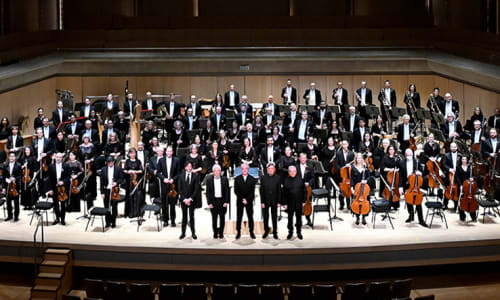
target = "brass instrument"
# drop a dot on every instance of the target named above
(434, 107)
(387, 108)
(412, 106)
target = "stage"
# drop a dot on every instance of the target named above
(347, 246)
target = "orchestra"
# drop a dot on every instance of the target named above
(226, 145)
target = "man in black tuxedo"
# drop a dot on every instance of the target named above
(195, 106)
(38, 122)
(269, 153)
(342, 158)
(494, 120)
(364, 98)
(111, 176)
(231, 97)
(92, 133)
(218, 119)
(288, 127)
(73, 129)
(15, 141)
(149, 103)
(190, 121)
(189, 196)
(244, 188)
(477, 135)
(243, 117)
(359, 133)
(59, 176)
(451, 128)
(267, 119)
(49, 131)
(489, 147)
(449, 105)
(270, 198)
(59, 115)
(270, 105)
(387, 98)
(12, 173)
(305, 172)
(289, 93)
(451, 161)
(252, 136)
(86, 109)
(408, 166)
(340, 97)
(168, 169)
(129, 105)
(322, 118)
(351, 119)
(154, 162)
(405, 133)
(294, 200)
(173, 112)
(302, 128)
(244, 102)
(110, 105)
(312, 96)
(218, 200)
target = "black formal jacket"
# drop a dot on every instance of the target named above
(244, 190)
(224, 191)
(154, 103)
(126, 107)
(308, 177)
(294, 192)
(189, 190)
(448, 161)
(115, 109)
(327, 119)
(276, 109)
(455, 107)
(487, 147)
(65, 177)
(47, 147)
(94, 136)
(345, 96)
(82, 110)
(239, 118)
(403, 173)
(293, 97)
(339, 158)
(57, 120)
(401, 134)
(270, 190)
(17, 173)
(222, 124)
(19, 142)
(196, 113)
(445, 128)
(381, 96)
(236, 98)
(263, 156)
(175, 168)
(68, 129)
(118, 177)
(368, 96)
(318, 96)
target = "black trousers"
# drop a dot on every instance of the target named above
(297, 211)
(411, 212)
(113, 212)
(187, 210)
(473, 215)
(239, 215)
(403, 146)
(218, 214)
(167, 204)
(445, 203)
(60, 209)
(274, 217)
(9, 206)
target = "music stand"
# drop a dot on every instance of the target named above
(284, 108)
(320, 133)
(335, 188)
(438, 134)
(235, 148)
(397, 112)
(372, 111)
(420, 114)
(203, 122)
(300, 147)
(333, 109)
(346, 135)
(146, 114)
(182, 151)
(438, 118)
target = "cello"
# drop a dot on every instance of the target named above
(414, 195)
(360, 205)
(468, 202)
(434, 169)
(308, 204)
(392, 194)
(451, 192)
(345, 184)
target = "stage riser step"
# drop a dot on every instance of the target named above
(43, 294)
(51, 269)
(56, 257)
(47, 281)
(58, 251)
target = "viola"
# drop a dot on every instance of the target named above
(452, 189)
(133, 179)
(115, 193)
(369, 163)
(61, 193)
(12, 189)
(172, 193)
(413, 144)
(45, 165)
(308, 205)
(414, 195)
(74, 187)
(225, 161)
(360, 205)
(26, 175)
(468, 202)
(345, 184)
(392, 193)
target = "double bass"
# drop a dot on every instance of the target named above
(468, 202)
(360, 205)
(414, 195)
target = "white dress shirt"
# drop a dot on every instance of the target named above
(363, 96)
(339, 96)
(454, 159)
(293, 114)
(171, 110)
(168, 162)
(312, 97)
(149, 104)
(448, 108)
(140, 156)
(58, 171)
(409, 167)
(270, 154)
(110, 105)
(86, 112)
(302, 129)
(351, 122)
(477, 136)
(231, 98)
(40, 148)
(46, 132)
(60, 114)
(217, 187)
(406, 132)
(494, 145)
(387, 92)
(303, 170)
(110, 176)
(451, 128)
(289, 94)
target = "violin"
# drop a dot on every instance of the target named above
(172, 193)
(133, 179)
(225, 161)
(360, 205)
(12, 189)
(61, 193)
(115, 193)
(308, 205)
(452, 189)
(345, 184)
(392, 193)
(468, 202)
(74, 187)
(414, 195)
(26, 175)
(45, 165)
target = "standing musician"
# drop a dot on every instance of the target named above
(49, 131)
(405, 133)
(289, 123)
(231, 98)
(149, 133)
(154, 162)
(168, 169)
(191, 121)
(106, 133)
(412, 96)
(489, 147)
(114, 148)
(364, 98)
(195, 107)
(208, 134)
(149, 103)
(218, 199)
(86, 109)
(15, 142)
(432, 151)
(286, 161)
(351, 120)
(278, 139)
(244, 116)
(214, 156)
(110, 105)
(387, 98)
(73, 129)
(450, 106)
(91, 133)
(88, 152)
(340, 97)
(38, 122)
(111, 176)
(450, 161)
(270, 104)
(343, 157)
(494, 120)
(335, 132)
(437, 98)
(76, 173)
(269, 153)
(244, 102)
(251, 135)
(218, 119)
(129, 105)
(360, 173)
(452, 128)
(379, 154)
(359, 133)
(294, 201)
(12, 185)
(133, 171)
(366, 146)
(289, 93)
(389, 163)
(270, 196)
(378, 130)
(189, 196)
(59, 175)
(122, 125)
(464, 173)
(407, 167)
(42, 148)
(179, 137)
(29, 164)
(312, 96)
(327, 155)
(244, 189)
(322, 118)
(302, 128)
(173, 112)
(268, 119)
(59, 115)
(306, 173)
(142, 155)
(219, 102)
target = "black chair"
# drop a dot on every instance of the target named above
(141, 291)
(354, 291)
(379, 291)
(300, 292)
(97, 212)
(2, 202)
(151, 208)
(95, 288)
(195, 291)
(271, 291)
(488, 206)
(401, 288)
(318, 194)
(223, 292)
(435, 208)
(325, 292)
(430, 297)
(248, 292)
(170, 291)
(70, 297)
(116, 290)
(41, 208)
(381, 207)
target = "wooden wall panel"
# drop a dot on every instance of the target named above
(153, 84)
(179, 85)
(73, 84)
(425, 85)
(372, 82)
(258, 89)
(442, 83)
(304, 83)
(204, 86)
(223, 83)
(456, 89)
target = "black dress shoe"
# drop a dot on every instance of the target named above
(238, 235)
(289, 236)
(408, 220)
(16, 219)
(221, 236)
(341, 207)
(173, 224)
(8, 219)
(107, 226)
(113, 225)
(264, 236)
(216, 235)
(424, 225)
(63, 223)
(165, 224)
(275, 236)
(194, 236)
(299, 235)
(182, 236)
(55, 222)
(310, 224)
(357, 222)
(252, 235)
(363, 221)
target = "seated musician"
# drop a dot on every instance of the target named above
(179, 137)
(361, 174)
(451, 128)
(106, 133)
(278, 139)
(367, 147)
(359, 134)
(268, 118)
(476, 116)
(311, 149)
(114, 148)
(251, 135)
(389, 163)
(464, 173)
(405, 133)
(133, 168)
(270, 104)
(198, 143)
(214, 155)
(450, 162)
(302, 128)
(15, 142)
(260, 131)
(59, 143)
(208, 134)
(344, 157)
(247, 154)
(407, 167)
(327, 156)
(335, 133)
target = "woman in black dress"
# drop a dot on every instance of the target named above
(247, 154)
(133, 174)
(335, 133)
(389, 162)
(5, 130)
(378, 130)
(94, 119)
(28, 193)
(88, 156)
(278, 139)
(59, 145)
(327, 156)
(214, 156)
(476, 116)
(413, 95)
(77, 175)
(360, 173)
(148, 134)
(219, 101)
(234, 137)
(179, 137)
(224, 146)
(286, 161)
(114, 148)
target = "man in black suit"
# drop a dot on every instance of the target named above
(312, 96)
(195, 106)
(60, 114)
(122, 125)
(351, 119)
(142, 155)
(218, 200)
(407, 167)
(110, 105)
(244, 188)
(168, 169)
(189, 196)
(106, 133)
(129, 105)
(451, 161)
(270, 104)
(269, 153)
(59, 176)
(267, 119)
(244, 102)
(15, 141)
(231, 97)
(42, 148)
(449, 105)
(489, 147)
(243, 117)
(92, 133)
(289, 93)
(477, 135)
(494, 120)
(405, 133)
(359, 134)
(154, 162)
(364, 98)
(342, 158)
(86, 109)
(218, 119)
(111, 176)
(12, 173)
(294, 200)
(173, 112)
(49, 131)
(73, 129)
(288, 127)
(149, 103)
(340, 97)
(252, 136)
(190, 121)
(302, 128)
(322, 118)
(451, 128)
(305, 172)
(38, 122)
(270, 198)
(387, 98)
